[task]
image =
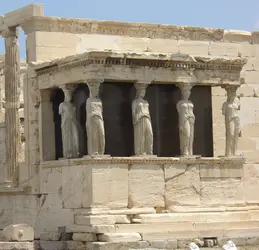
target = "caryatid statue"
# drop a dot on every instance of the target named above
(229, 246)
(69, 126)
(143, 133)
(94, 120)
(232, 122)
(186, 120)
(193, 246)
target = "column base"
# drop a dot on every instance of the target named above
(231, 156)
(96, 156)
(6, 184)
(189, 156)
(145, 156)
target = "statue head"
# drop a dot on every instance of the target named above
(186, 94)
(140, 90)
(193, 246)
(94, 89)
(231, 92)
(67, 94)
(186, 91)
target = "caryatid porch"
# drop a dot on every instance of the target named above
(110, 71)
(112, 85)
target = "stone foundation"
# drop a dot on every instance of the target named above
(249, 243)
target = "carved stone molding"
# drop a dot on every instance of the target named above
(143, 160)
(189, 67)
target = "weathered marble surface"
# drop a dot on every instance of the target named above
(69, 126)
(143, 133)
(94, 121)
(232, 121)
(186, 121)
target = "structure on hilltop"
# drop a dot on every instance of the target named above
(136, 135)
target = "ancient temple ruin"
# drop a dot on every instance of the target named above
(126, 135)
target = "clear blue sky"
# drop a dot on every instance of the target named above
(228, 14)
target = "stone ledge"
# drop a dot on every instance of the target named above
(13, 190)
(18, 246)
(143, 160)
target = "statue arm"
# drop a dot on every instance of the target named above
(134, 111)
(60, 111)
(178, 106)
(224, 108)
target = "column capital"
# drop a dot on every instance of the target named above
(94, 81)
(141, 85)
(183, 86)
(230, 88)
(68, 87)
(10, 32)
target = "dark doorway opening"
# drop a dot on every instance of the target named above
(57, 97)
(80, 96)
(117, 99)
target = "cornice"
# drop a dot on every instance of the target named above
(177, 62)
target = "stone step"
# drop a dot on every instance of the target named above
(119, 237)
(196, 217)
(162, 227)
(153, 245)
(178, 226)
(102, 219)
(107, 219)
(187, 234)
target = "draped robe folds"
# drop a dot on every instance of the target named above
(186, 126)
(69, 127)
(95, 127)
(232, 124)
(143, 133)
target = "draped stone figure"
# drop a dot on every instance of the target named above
(143, 133)
(69, 126)
(229, 246)
(186, 121)
(232, 122)
(94, 121)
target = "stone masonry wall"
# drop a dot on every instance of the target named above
(55, 191)
(63, 39)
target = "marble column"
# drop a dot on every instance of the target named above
(69, 126)
(232, 121)
(12, 103)
(94, 119)
(186, 120)
(143, 132)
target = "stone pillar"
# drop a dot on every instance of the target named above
(12, 98)
(143, 132)
(232, 121)
(94, 120)
(69, 126)
(186, 120)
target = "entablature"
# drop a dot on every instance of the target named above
(146, 66)
(235, 160)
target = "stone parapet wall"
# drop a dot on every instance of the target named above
(155, 184)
